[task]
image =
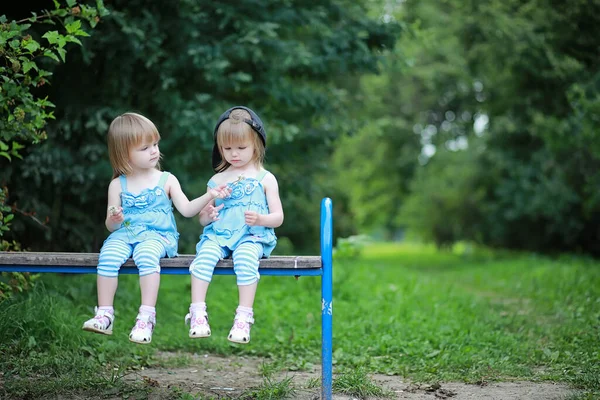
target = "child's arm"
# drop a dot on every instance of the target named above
(190, 208)
(275, 217)
(114, 212)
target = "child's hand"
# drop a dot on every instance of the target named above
(251, 218)
(221, 191)
(115, 214)
(213, 212)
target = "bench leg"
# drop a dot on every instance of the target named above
(327, 298)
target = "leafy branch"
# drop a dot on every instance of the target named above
(24, 111)
(21, 73)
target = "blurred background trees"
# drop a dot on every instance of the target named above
(502, 100)
(446, 121)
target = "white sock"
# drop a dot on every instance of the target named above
(244, 310)
(198, 306)
(147, 310)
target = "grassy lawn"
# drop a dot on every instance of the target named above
(410, 310)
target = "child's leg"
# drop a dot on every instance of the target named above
(106, 288)
(202, 267)
(246, 294)
(245, 264)
(201, 271)
(113, 254)
(146, 256)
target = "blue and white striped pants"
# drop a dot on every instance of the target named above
(245, 261)
(146, 255)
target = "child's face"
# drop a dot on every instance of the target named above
(239, 154)
(145, 155)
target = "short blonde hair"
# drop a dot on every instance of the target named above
(233, 131)
(126, 132)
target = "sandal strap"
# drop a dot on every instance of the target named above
(196, 313)
(104, 313)
(146, 318)
(243, 317)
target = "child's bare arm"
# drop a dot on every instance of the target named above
(114, 212)
(189, 208)
(275, 217)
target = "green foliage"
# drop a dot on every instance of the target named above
(6, 214)
(540, 91)
(23, 76)
(182, 64)
(421, 98)
(444, 205)
(514, 82)
(350, 247)
(374, 189)
(14, 283)
(22, 70)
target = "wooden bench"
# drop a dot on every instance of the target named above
(85, 263)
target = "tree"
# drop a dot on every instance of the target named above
(182, 64)
(25, 52)
(25, 48)
(424, 98)
(538, 64)
(523, 75)
(445, 202)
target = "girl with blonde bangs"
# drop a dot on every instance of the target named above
(241, 225)
(141, 221)
(124, 133)
(230, 134)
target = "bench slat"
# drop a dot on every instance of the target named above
(183, 261)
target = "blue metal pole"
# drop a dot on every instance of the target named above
(327, 298)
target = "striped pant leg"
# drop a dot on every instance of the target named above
(207, 257)
(245, 262)
(147, 255)
(113, 255)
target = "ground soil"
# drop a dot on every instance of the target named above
(228, 377)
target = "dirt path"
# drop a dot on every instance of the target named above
(227, 378)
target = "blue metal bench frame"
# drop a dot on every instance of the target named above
(294, 266)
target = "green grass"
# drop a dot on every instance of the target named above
(271, 389)
(356, 383)
(471, 315)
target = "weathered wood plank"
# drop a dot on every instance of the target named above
(184, 260)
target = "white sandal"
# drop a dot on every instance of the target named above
(143, 328)
(240, 331)
(98, 324)
(198, 320)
